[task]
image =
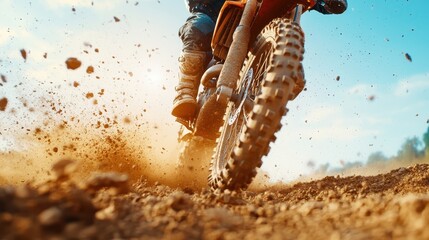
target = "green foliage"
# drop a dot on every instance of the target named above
(322, 169)
(377, 157)
(426, 141)
(410, 150)
(413, 150)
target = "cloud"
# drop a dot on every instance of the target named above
(340, 129)
(104, 4)
(10, 34)
(322, 113)
(413, 84)
(362, 89)
(335, 123)
(5, 36)
(340, 123)
(23, 39)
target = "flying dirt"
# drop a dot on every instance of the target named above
(107, 186)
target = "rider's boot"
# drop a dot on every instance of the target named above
(331, 6)
(191, 66)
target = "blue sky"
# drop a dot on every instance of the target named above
(331, 122)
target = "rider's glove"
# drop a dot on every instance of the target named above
(334, 6)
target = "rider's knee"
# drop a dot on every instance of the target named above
(197, 32)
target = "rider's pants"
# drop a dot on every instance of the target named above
(197, 32)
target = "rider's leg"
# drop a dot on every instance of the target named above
(191, 66)
(331, 6)
(196, 36)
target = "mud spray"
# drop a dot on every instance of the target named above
(121, 125)
(141, 149)
(120, 145)
(106, 121)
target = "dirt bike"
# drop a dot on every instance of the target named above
(258, 47)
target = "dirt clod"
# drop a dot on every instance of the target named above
(408, 57)
(89, 95)
(50, 217)
(23, 54)
(108, 180)
(179, 201)
(90, 69)
(3, 104)
(73, 63)
(63, 168)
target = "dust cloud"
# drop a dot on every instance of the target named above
(118, 145)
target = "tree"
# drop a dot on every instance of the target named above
(322, 169)
(426, 142)
(410, 149)
(377, 157)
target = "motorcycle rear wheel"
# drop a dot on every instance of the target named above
(271, 76)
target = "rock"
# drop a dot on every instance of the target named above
(308, 207)
(261, 220)
(179, 201)
(221, 216)
(3, 104)
(283, 207)
(71, 229)
(413, 204)
(333, 206)
(73, 63)
(106, 213)
(23, 54)
(260, 211)
(333, 194)
(63, 168)
(50, 217)
(24, 191)
(108, 180)
(336, 235)
(6, 217)
(264, 230)
(88, 233)
(402, 171)
(269, 196)
(226, 196)
(90, 69)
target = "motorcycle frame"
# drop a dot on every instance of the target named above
(256, 14)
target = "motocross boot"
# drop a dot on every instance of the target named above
(191, 66)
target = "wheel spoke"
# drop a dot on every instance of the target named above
(262, 70)
(249, 87)
(258, 73)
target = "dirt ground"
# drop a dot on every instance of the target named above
(109, 206)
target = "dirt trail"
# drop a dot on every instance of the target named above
(107, 206)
